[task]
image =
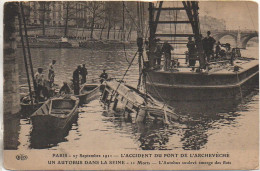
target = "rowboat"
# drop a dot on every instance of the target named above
(88, 92)
(134, 104)
(56, 113)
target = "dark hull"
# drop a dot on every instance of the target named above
(53, 123)
(92, 95)
(179, 86)
(28, 109)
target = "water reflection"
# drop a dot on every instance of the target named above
(95, 127)
(46, 138)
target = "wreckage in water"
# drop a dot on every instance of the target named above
(134, 104)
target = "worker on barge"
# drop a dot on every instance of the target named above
(208, 44)
(166, 49)
(191, 53)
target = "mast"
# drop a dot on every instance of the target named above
(24, 56)
(28, 46)
(123, 29)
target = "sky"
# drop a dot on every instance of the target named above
(237, 14)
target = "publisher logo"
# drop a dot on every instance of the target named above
(21, 157)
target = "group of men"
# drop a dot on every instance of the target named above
(79, 77)
(157, 50)
(42, 86)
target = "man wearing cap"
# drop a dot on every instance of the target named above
(166, 49)
(39, 79)
(51, 74)
(208, 44)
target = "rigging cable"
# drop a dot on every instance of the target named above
(122, 78)
(24, 55)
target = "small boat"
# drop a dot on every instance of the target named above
(56, 113)
(64, 43)
(88, 92)
(134, 104)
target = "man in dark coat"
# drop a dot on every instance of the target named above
(166, 49)
(191, 53)
(208, 44)
(83, 73)
(76, 74)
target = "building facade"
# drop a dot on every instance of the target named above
(55, 13)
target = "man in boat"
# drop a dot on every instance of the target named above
(208, 44)
(103, 77)
(166, 49)
(76, 79)
(191, 53)
(83, 73)
(39, 79)
(51, 74)
(65, 89)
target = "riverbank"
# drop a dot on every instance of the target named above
(55, 43)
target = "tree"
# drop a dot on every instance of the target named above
(96, 9)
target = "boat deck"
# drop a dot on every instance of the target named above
(223, 67)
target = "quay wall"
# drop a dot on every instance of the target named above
(83, 32)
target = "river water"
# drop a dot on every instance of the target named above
(214, 125)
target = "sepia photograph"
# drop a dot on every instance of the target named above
(130, 85)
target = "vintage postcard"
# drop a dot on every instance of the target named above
(131, 85)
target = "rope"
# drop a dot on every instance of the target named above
(122, 78)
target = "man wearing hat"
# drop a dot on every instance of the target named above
(83, 73)
(76, 79)
(208, 44)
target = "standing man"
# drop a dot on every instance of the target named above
(39, 78)
(158, 53)
(103, 77)
(76, 80)
(51, 74)
(217, 51)
(166, 49)
(191, 53)
(208, 44)
(83, 73)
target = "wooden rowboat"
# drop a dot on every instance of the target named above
(88, 92)
(56, 113)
